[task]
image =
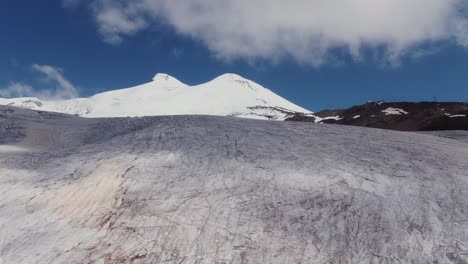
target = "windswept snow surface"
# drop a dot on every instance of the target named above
(227, 95)
(206, 189)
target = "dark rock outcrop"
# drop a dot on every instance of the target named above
(403, 116)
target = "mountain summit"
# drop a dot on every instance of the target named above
(167, 80)
(226, 95)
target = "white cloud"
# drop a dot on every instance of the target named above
(17, 90)
(461, 32)
(64, 88)
(305, 30)
(116, 19)
(70, 3)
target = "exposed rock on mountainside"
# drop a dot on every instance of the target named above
(205, 189)
(424, 116)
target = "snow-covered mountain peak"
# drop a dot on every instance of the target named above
(227, 95)
(231, 77)
(164, 79)
(234, 80)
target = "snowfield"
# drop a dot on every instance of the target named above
(207, 189)
(394, 111)
(455, 116)
(227, 95)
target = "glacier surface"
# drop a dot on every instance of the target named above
(207, 189)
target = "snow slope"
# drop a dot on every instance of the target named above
(207, 189)
(227, 95)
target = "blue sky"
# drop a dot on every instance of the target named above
(94, 52)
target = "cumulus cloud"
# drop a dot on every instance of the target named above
(116, 19)
(63, 89)
(305, 30)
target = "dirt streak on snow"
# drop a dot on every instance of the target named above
(88, 200)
